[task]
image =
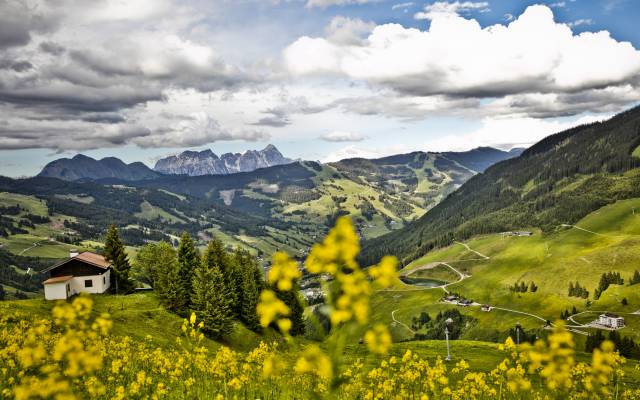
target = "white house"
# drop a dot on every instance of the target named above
(611, 320)
(80, 273)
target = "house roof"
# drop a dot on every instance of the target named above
(87, 257)
(611, 315)
(59, 279)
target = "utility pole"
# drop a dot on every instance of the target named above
(448, 323)
(518, 333)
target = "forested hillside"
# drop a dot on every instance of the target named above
(557, 181)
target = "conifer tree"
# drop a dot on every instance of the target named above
(188, 261)
(168, 285)
(115, 253)
(210, 301)
(292, 299)
(216, 257)
(252, 285)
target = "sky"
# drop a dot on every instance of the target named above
(320, 79)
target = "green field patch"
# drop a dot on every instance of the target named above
(152, 213)
(77, 198)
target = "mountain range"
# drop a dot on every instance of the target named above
(194, 163)
(82, 167)
(206, 162)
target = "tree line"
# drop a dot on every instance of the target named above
(221, 286)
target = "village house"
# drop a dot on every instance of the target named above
(80, 273)
(611, 320)
(486, 307)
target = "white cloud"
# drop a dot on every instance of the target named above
(578, 22)
(343, 136)
(348, 31)
(351, 152)
(328, 3)
(458, 57)
(506, 133)
(558, 4)
(197, 130)
(509, 17)
(402, 6)
(441, 9)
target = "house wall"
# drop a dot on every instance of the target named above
(100, 283)
(56, 291)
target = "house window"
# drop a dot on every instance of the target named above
(88, 283)
(104, 280)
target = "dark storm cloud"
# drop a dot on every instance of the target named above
(52, 48)
(15, 65)
(18, 20)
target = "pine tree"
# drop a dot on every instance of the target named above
(635, 279)
(188, 261)
(216, 257)
(292, 299)
(252, 285)
(114, 252)
(210, 301)
(3, 294)
(169, 287)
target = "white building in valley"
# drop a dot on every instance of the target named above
(80, 273)
(611, 320)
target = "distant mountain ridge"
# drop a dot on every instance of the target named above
(83, 167)
(194, 163)
(200, 163)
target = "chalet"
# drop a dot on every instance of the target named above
(80, 273)
(485, 307)
(611, 320)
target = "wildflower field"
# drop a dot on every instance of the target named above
(80, 350)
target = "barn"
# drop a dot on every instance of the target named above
(81, 273)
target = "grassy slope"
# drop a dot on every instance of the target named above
(140, 317)
(552, 261)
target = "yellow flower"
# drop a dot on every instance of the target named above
(384, 274)
(378, 339)
(270, 307)
(314, 361)
(283, 271)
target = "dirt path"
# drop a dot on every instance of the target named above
(393, 317)
(36, 244)
(471, 250)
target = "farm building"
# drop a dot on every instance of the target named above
(611, 320)
(80, 273)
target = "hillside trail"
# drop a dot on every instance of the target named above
(393, 317)
(35, 244)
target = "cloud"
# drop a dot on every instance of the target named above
(343, 136)
(441, 9)
(578, 22)
(198, 130)
(509, 17)
(328, 3)
(347, 31)
(558, 4)
(351, 152)
(280, 116)
(92, 70)
(20, 19)
(457, 57)
(403, 6)
(506, 133)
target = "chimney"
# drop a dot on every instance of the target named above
(73, 253)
